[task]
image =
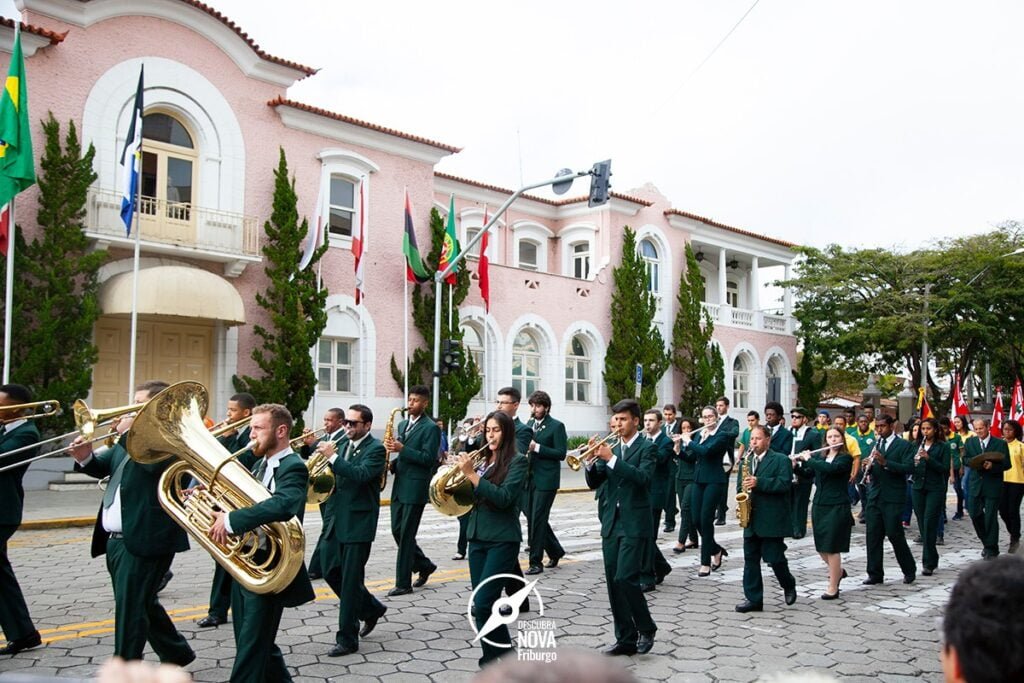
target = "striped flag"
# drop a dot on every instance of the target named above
(314, 230)
(997, 413)
(414, 269)
(959, 405)
(357, 248)
(482, 273)
(131, 161)
(923, 408)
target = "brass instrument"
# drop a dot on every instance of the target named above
(320, 484)
(450, 492)
(297, 441)
(263, 560)
(578, 457)
(219, 430)
(466, 432)
(744, 504)
(389, 435)
(45, 408)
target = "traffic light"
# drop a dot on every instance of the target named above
(600, 175)
(451, 355)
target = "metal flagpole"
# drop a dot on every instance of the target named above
(135, 298)
(316, 346)
(405, 299)
(9, 294)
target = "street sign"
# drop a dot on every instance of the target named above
(639, 379)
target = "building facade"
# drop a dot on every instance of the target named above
(216, 115)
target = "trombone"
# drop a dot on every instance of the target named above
(297, 441)
(44, 408)
(579, 457)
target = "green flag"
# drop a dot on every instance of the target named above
(17, 165)
(450, 249)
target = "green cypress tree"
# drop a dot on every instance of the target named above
(635, 339)
(56, 288)
(691, 340)
(295, 304)
(809, 389)
(457, 388)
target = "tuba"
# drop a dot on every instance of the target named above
(744, 504)
(450, 492)
(389, 435)
(264, 560)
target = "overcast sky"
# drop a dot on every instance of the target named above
(865, 123)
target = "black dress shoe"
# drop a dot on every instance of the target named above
(164, 581)
(870, 581)
(341, 651)
(646, 587)
(669, 529)
(534, 569)
(678, 550)
(747, 606)
(644, 643)
(182, 662)
(421, 579)
(660, 578)
(26, 643)
(830, 596)
(909, 578)
(621, 649)
(369, 624)
(790, 594)
(927, 572)
(719, 522)
(211, 621)
(553, 562)
(396, 591)
(314, 575)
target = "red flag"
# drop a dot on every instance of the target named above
(922, 405)
(997, 413)
(414, 269)
(357, 248)
(959, 405)
(1017, 403)
(5, 227)
(482, 270)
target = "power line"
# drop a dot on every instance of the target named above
(714, 50)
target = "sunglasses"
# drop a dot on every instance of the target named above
(352, 423)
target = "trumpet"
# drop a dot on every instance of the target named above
(225, 427)
(467, 432)
(579, 457)
(297, 441)
(44, 408)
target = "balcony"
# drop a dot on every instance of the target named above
(754, 320)
(176, 229)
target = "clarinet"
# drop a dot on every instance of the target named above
(865, 475)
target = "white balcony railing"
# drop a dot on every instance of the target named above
(775, 323)
(742, 317)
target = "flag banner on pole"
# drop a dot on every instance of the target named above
(923, 408)
(314, 230)
(1017, 403)
(450, 249)
(357, 247)
(17, 164)
(5, 228)
(483, 274)
(997, 413)
(959, 405)
(131, 160)
(414, 269)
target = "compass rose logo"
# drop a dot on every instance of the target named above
(505, 610)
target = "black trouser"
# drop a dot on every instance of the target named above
(14, 617)
(460, 545)
(220, 593)
(687, 518)
(928, 507)
(703, 503)
(958, 486)
(540, 536)
(486, 559)
(255, 619)
(985, 518)
(405, 522)
(773, 551)
(671, 510)
(883, 521)
(623, 558)
(345, 572)
(723, 500)
(1009, 508)
(656, 565)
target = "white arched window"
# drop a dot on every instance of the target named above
(649, 254)
(169, 164)
(741, 382)
(773, 380)
(526, 363)
(474, 344)
(531, 245)
(732, 294)
(577, 372)
(581, 255)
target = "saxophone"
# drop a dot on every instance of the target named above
(744, 505)
(389, 434)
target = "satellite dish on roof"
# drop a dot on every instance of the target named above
(563, 186)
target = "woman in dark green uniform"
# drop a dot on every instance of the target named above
(931, 476)
(830, 514)
(493, 528)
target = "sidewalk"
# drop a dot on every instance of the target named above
(66, 509)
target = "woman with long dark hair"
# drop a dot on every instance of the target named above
(492, 529)
(706, 450)
(1013, 483)
(913, 435)
(962, 427)
(931, 475)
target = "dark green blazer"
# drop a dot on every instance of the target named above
(706, 456)
(889, 484)
(623, 496)
(494, 517)
(663, 455)
(355, 503)
(11, 491)
(239, 440)
(990, 483)
(932, 474)
(781, 441)
(524, 435)
(831, 479)
(417, 460)
(287, 500)
(730, 425)
(546, 462)
(771, 516)
(810, 442)
(148, 530)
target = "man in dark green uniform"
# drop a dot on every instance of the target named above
(333, 439)
(15, 432)
(886, 489)
(865, 436)
(805, 438)
(417, 443)
(508, 403)
(139, 540)
(257, 616)
(781, 438)
(622, 477)
(352, 528)
(671, 426)
(769, 481)
(239, 407)
(986, 485)
(545, 454)
(657, 567)
(726, 425)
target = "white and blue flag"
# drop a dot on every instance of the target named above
(131, 162)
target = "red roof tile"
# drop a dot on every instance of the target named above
(532, 197)
(283, 102)
(53, 37)
(739, 231)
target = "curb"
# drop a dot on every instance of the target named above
(77, 522)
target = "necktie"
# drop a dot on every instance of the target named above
(261, 469)
(114, 484)
(881, 446)
(349, 451)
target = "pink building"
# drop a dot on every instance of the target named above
(216, 113)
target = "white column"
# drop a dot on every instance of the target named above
(787, 295)
(755, 284)
(721, 277)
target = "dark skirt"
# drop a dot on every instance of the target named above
(832, 526)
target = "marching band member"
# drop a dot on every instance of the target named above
(684, 484)
(671, 426)
(706, 450)
(333, 439)
(768, 481)
(493, 529)
(621, 475)
(891, 460)
(657, 568)
(256, 617)
(986, 485)
(545, 453)
(726, 423)
(805, 438)
(931, 474)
